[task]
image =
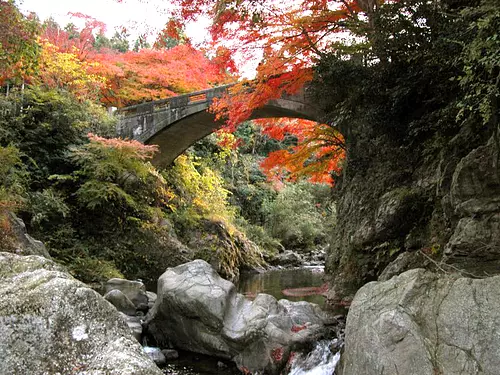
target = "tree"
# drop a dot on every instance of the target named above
(18, 46)
(60, 69)
(291, 37)
(156, 74)
(171, 35)
(317, 153)
(68, 38)
(481, 59)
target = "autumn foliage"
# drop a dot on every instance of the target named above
(288, 38)
(150, 74)
(18, 47)
(317, 154)
(64, 69)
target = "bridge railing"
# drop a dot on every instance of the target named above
(142, 121)
(179, 101)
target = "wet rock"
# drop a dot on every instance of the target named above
(134, 323)
(156, 355)
(120, 301)
(170, 354)
(197, 310)
(51, 323)
(421, 323)
(134, 290)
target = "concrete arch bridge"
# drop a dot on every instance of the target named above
(180, 121)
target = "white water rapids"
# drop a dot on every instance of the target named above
(320, 361)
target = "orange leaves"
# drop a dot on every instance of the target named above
(70, 60)
(246, 96)
(59, 69)
(157, 74)
(67, 39)
(287, 37)
(318, 152)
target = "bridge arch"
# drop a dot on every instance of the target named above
(178, 122)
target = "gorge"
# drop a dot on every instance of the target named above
(395, 190)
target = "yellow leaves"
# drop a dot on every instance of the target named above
(65, 70)
(200, 191)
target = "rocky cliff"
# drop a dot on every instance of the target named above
(402, 206)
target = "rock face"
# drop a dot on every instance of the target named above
(25, 244)
(51, 323)
(420, 323)
(475, 196)
(398, 198)
(197, 310)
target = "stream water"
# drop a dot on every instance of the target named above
(285, 283)
(293, 284)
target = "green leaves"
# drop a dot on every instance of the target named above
(116, 181)
(19, 49)
(481, 62)
(95, 194)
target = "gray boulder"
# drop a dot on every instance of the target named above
(404, 262)
(51, 323)
(421, 323)
(197, 310)
(289, 259)
(25, 244)
(134, 290)
(120, 301)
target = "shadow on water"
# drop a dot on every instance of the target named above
(199, 364)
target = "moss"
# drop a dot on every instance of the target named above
(94, 270)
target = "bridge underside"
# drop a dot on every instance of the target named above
(175, 138)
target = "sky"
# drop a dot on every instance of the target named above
(138, 16)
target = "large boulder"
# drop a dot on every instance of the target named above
(197, 310)
(51, 323)
(421, 323)
(135, 291)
